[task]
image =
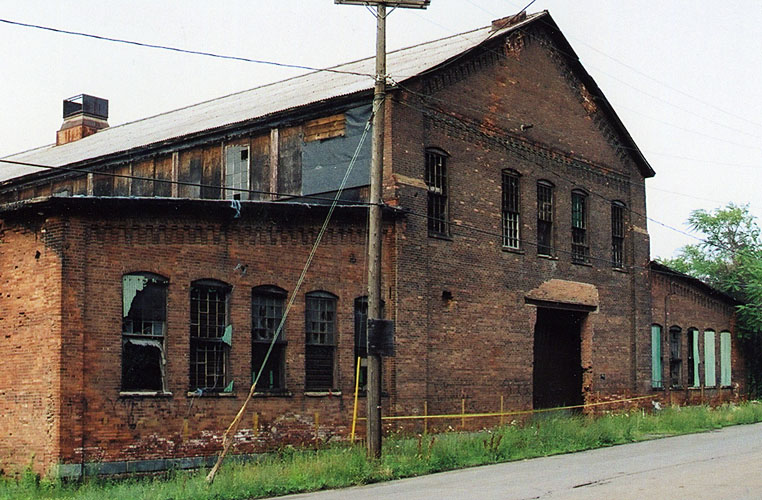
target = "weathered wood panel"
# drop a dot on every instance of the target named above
(122, 184)
(143, 169)
(325, 128)
(259, 167)
(190, 171)
(163, 171)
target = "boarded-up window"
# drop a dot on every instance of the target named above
(237, 172)
(725, 359)
(320, 329)
(210, 337)
(710, 377)
(511, 223)
(325, 128)
(144, 319)
(656, 377)
(267, 305)
(694, 358)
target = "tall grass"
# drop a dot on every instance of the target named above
(293, 470)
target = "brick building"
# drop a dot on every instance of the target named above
(144, 267)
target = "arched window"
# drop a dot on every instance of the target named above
(710, 371)
(320, 343)
(545, 218)
(656, 371)
(511, 209)
(211, 336)
(144, 325)
(617, 234)
(437, 185)
(580, 248)
(675, 356)
(694, 358)
(267, 306)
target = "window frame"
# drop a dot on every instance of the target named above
(437, 192)
(319, 349)
(710, 358)
(131, 337)
(580, 247)
(675, 338)
(657, 376)
(618, 229)
(726, 359)
(694, 358)
(511, 209)
(545, 218)
(274, 298)
(220, 344)
(238, 178)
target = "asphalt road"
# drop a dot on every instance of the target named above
(724, 464)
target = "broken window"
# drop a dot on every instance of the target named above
(267, 305)
(320, 329)
(436, 182)
(237, 172)
(144, 321)
(694, 379)
(675, 356)
(511, 233)
(656, 376)
(617, 234)
(544, 218)
(210, 337)
(710, 376)
(725, 359)
(580, 248)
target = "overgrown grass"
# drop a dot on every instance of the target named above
(293, 470)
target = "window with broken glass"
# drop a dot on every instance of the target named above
(237, 172)
(144, 322)
(320, 327)
(617, 234)
(544, 218)
(267, 304)
(436, 182)
(580, 247)
(675, 356)
(210, 337)
(511, 234)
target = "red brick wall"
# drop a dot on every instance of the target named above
(30, 327)
(479, 345)
(677, 301)
(243, 253)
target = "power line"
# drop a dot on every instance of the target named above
(182, 51)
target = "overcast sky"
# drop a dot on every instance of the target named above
(684, 76)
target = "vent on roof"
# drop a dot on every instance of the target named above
(83, 115)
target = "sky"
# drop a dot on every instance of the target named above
(683, 75)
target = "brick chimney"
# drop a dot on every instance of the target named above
(83, 115)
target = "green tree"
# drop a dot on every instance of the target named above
(730, 259)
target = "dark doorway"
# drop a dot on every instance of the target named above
(557, 376)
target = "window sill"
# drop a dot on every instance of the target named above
(194, 394)
(438, 236)
(546, 257)
(273, 394)
(581, 263)
(145, 394)
(513, 250)
(659, 389)
(620, 270)
(321, 394)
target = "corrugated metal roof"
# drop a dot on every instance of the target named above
(250, 104)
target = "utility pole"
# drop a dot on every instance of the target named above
(373, 400)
